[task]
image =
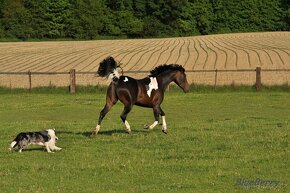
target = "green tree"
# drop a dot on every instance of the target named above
(16, 20)
(286, 6)
(139, 8)
(168, 13)
(153, 27)
(186, 23)
(57, 13)
(249, 15)
(50, 18)
(221, 17)
(119, 5)
(2, 32)
(39, 22)
(203, 13)
(123, 23)
(87, 20)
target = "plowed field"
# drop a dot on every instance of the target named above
(270, 50)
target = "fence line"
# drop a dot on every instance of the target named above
(143, 71)
(72, 73)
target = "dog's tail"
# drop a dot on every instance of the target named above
(13, 145)
(108, 68)
(16, 141)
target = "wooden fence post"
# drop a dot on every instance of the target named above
(72, 87)
(215, 78)
(30, 82)
(258, 79)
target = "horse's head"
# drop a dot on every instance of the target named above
(172, 72)
(181, 80)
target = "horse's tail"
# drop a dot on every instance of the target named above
(108, 68)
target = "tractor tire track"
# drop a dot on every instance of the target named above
(145, 64)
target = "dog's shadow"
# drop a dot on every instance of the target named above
(35, 149)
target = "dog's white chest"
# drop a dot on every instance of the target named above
(153, 85)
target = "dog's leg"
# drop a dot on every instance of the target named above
(57, 148)
(22, 145)
(52, 146)
(47, 147)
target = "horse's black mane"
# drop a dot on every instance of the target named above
(166, 67)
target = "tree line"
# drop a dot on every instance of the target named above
(93, 19)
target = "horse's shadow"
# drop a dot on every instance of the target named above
(106, 132)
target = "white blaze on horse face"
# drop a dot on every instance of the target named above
(153, 85)
(125, 79)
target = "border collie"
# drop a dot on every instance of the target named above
(45, 138)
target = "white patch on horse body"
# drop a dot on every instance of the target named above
(153, 85)
(126, 79)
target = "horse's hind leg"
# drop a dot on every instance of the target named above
(103, 113)
(124, 114)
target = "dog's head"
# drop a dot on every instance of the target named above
(51, 133)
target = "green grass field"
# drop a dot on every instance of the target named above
(214, 139)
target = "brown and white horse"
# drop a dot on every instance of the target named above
(147, 92)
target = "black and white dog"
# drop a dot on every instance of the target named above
(45, 138)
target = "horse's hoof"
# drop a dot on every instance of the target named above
(164, 131)
(146, 126)
(94, 134)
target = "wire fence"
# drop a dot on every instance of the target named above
(212, 77)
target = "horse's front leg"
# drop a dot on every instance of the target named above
(164, 125)
(156, 113)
